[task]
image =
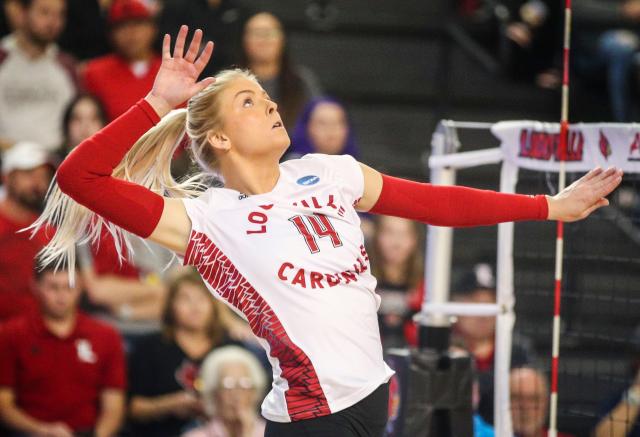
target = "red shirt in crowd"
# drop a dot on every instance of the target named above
(111, 78)
(16, 266)
(60, 379)
(106, 261)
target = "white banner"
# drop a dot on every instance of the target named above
(535, 145)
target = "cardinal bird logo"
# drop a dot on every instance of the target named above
(605, 147)
(634, 150)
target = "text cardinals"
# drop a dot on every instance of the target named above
(316, 280)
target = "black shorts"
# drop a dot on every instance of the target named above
(367, 418)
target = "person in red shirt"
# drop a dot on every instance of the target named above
(529, 403)
(62, 373)
(27, 170)
(122, 78)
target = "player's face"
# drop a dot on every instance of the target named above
(57, 299)
(328, 128)
(236, 393)
(45, 20)
(193, 307)
(251, 121)
(528, 403)
(396, 240)
(263, 39)
(85, 121)
(29, 187)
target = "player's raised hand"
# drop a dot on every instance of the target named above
(177, 79)
(585, 195)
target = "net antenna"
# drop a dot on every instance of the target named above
(564, 134)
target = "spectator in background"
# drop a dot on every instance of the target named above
(265, 54)
(84, 116)
(233, 383)
(606, 41)
(62, 373)
(529, 393)
(27, 170)
(37, 80)
(221, 21)
(86, 35)
(477, 333)
(122, 78)
(10, 16)
(323, 127)
(531, 41)
(115, 286)
(621, 413)
(163, 366)
(397, 263)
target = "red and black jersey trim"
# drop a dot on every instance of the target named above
(305, 397)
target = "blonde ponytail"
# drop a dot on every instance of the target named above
(148, 163)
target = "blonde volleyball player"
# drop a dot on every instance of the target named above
(280, 243)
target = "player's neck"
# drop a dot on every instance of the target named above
(250, 177)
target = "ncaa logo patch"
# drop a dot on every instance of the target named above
(308, 180)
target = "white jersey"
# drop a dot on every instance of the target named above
(293, 262)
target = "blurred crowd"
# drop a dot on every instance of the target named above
(136, 345)
(526, 36)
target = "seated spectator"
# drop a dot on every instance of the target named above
(10, 17)
(122, 78)
(86, 35)
(477, 333)
(163, 366)
(84, 116)
(529, 393)
(37, 80)
(531, 41)
(115, 286)
(233, 384)
(621, 413)
(221, 21)
(323, 127)
(265, 54)
(27, 170)
(397, 263)
(606, 40)
(62, 373)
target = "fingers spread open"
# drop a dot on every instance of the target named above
(204, 57)
(194, 47)
(166, 46)
(178, 50)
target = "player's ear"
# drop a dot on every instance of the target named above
(219, 141)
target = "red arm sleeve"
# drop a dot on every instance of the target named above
(455, 206)
(85, 175)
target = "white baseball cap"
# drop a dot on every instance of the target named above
(26, 155)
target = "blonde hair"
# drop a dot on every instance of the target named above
(148, 163)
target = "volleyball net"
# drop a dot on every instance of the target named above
(600, 296)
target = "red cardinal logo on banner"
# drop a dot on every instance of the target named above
(634, 150)
(605, 147)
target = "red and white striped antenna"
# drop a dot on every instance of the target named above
(564, 134)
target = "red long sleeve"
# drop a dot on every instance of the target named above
(85, 175)
(454, 205)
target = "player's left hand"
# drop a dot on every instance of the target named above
(584, 196)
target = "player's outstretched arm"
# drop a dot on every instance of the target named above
(461, 206)
(86, 174)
